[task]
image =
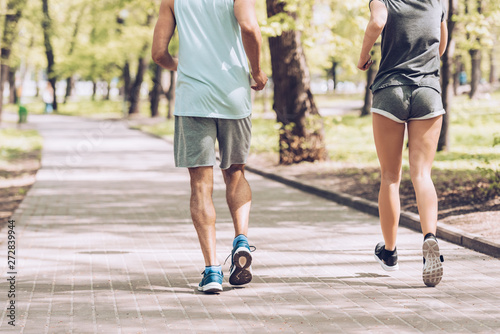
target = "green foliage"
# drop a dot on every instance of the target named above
(91, 39)
(496, 140)
(274, 26)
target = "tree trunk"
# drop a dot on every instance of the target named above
(475, 56)
(459, 67)
(69, 88)
(370, 77)
(126, 80)
(108, 90)
(69, 80)
(334, 75)
(37, 89)
(493, 69)
(446, 87)
(4, 73)
(49, 51)
(12, 16)
(135, 90)
(170, 94)
(301, 134)
(12, 86)
(94, 89)
(156, 90)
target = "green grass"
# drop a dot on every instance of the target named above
(15, 144)
(163, 129)
(84, 108)
(101, 109)
(474, 130)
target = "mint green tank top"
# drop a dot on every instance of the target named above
(213, 76)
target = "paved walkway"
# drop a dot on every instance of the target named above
(105, 245)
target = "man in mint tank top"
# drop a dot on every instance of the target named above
(213, 104)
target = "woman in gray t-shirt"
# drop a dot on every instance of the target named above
(407, 90)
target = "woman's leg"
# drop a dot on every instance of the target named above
(389, 138)
(423, 138)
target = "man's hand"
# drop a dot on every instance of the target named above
(175, 63)
(244, 11)
(260, 79)
(365, 61)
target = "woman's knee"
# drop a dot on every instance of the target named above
(390, 177)
(419, 174)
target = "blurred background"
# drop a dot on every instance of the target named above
(93, 57)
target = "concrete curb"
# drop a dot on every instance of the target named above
(407, 219)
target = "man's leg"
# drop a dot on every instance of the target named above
(203, 211)
(238, 197)
(389, 138)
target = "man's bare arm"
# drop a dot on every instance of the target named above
(164, 30)
(378, 19)
(244, 10)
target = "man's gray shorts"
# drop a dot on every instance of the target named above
(407, 103)
(194, 141)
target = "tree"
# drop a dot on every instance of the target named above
(12, 16)
(49, 51)
(301, 134)
(135, 89)
(475, 56)
(76, 30)
(155, 93)
(446, 75)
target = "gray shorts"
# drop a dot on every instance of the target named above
(407, 103)
(194, 141)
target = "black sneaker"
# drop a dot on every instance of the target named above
(387, 259)
(432, 272)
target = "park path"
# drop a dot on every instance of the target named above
(105, 245)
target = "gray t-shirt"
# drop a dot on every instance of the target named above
(410, 44)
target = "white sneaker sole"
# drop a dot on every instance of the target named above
(210, 287)
(386, 267)
(432, 272)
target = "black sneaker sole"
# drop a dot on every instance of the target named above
(433, 268)
(241, 273)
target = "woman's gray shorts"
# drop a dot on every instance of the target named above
(407, 103)
(194, 141)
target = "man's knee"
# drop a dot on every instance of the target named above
(201, 180)
(236, 168)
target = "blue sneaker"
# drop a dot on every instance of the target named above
(241, 259)
(212, 280)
